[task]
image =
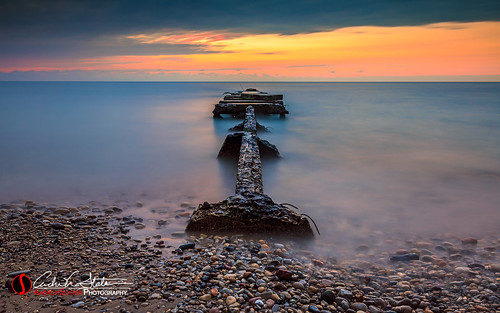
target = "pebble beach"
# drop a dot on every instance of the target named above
(230, 273)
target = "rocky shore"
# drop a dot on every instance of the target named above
(86, 245)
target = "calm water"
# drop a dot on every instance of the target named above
(360, 158)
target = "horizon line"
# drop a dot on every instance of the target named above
(224, 81)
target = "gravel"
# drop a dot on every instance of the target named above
(233, 274)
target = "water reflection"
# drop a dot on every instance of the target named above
(358, 158)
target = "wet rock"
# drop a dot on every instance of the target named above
(78, 304)
(313, 309)
(344, 293)
(14, 274)
(140, 225)
(380, 303)
(142, 297)
(240, 213)
(279, 287)
(57, 226)
(358, 306)
(405, 257)
(230, 300)
(206, 297)
(469, 241)
(186, 246)
(403, 309)
(328, 296)
(284, 274)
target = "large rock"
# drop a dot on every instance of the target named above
(249, 213)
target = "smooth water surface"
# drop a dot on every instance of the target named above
(360, 158)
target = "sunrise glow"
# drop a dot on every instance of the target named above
(441, 49)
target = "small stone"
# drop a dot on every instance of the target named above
(363, 248)
(298, 285)
(61, 211)
(284, 274)
(155, 296)
(247, 274)
(141, 297)
(266, 295)
(206, 297)
(494, 267)
(259, 303)
(344, 293)
(230, 300)
(269, 303)
(186, 246)
(84, 277)
(427, 259)
(359, 306)
(313, 309)
(139, 225)
(462, 270)
(469, 241)
(14, 274)
(374, 309)
(328, 296)
(405, 257)
(476, 266)
(78, 304)
(403, 309)
(380, 303)
(279, 287)
(57, 226)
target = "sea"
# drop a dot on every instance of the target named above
(366, 161)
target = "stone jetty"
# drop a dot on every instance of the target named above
(235, 103)
(249, 210)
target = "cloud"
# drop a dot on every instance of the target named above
(444, 49)
(63, 18)
(91, 28)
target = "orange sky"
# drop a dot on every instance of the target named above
(443, 50)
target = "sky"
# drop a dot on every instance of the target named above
(234, 40)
